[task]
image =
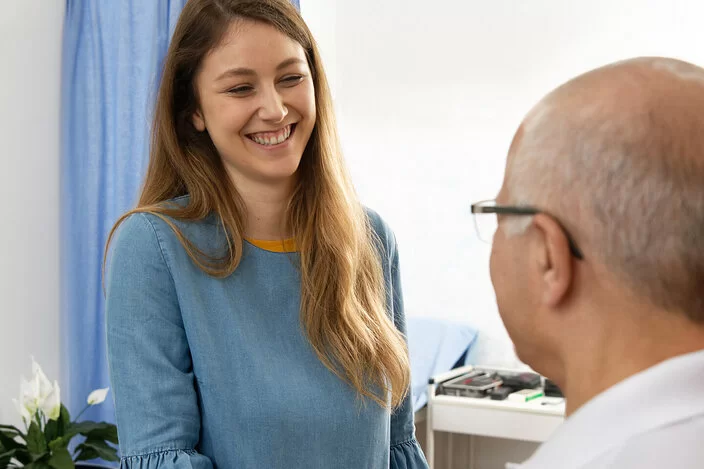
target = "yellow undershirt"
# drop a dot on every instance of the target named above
(287, 245)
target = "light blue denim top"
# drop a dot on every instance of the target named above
(218, 373)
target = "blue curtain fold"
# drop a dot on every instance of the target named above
(112, 55)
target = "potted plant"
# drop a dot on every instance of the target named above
(48, 430)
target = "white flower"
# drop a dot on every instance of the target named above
(37, 394)
(52, 404)
(98, 396)
(22, 409)
(43, 385)
(29, 395)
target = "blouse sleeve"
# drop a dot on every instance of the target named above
(405, 452)
(156, 403)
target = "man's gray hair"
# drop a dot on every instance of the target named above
(629, 186)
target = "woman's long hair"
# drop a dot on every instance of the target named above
(342, 287)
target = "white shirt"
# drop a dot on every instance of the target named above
(653, 419)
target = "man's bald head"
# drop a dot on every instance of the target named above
(617, 154)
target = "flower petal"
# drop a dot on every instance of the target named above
(98, 396)
(52, 404)
(29, 395)
(22, 409)
(43, 383)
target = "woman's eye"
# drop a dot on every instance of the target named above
(240, 89)
(292, 79)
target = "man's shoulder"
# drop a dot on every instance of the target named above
(676, 445)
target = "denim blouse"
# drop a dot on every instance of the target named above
(218, 373)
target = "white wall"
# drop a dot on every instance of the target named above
(429, 95)
(30, 54)
(321, 18)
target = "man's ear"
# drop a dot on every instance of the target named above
(554, 258)
(198, 121)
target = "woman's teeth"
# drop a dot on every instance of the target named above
(272, 138)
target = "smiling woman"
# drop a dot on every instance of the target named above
(257, 102)
(252, 303)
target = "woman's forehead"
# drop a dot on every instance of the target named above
(254, 45)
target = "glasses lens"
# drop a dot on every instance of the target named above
(486, 224)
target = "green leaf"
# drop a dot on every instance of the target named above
(9, 442)
(64, 421)
(58, 444)
(104, 451)
(61, 459)
(108, 432)
(11, 429)
(93, 430)
(23, 456)
(40, 457)
(36, 443)
(38, 465)
(51, 431)
(86, 454)
(6, 457)
(78, 428)
(84, 427)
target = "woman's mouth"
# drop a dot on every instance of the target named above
(271, 139)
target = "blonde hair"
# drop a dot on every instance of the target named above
(342, 285)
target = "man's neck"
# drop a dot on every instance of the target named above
(623, 350)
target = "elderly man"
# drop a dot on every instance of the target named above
(598, 262)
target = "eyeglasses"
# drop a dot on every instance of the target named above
(487, 226)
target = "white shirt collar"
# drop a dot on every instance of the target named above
(668, 392)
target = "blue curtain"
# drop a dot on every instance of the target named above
(112, 56)
(112, 53)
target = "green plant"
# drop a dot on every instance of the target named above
(44, 443)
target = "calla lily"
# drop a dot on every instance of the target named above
(38, 394)
(98, 396)
(29, 395)
(43, 385)
(52, 404)
(22, 409)
(39, 404)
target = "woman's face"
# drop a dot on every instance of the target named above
(257, 103)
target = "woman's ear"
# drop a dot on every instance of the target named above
(198, 121)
